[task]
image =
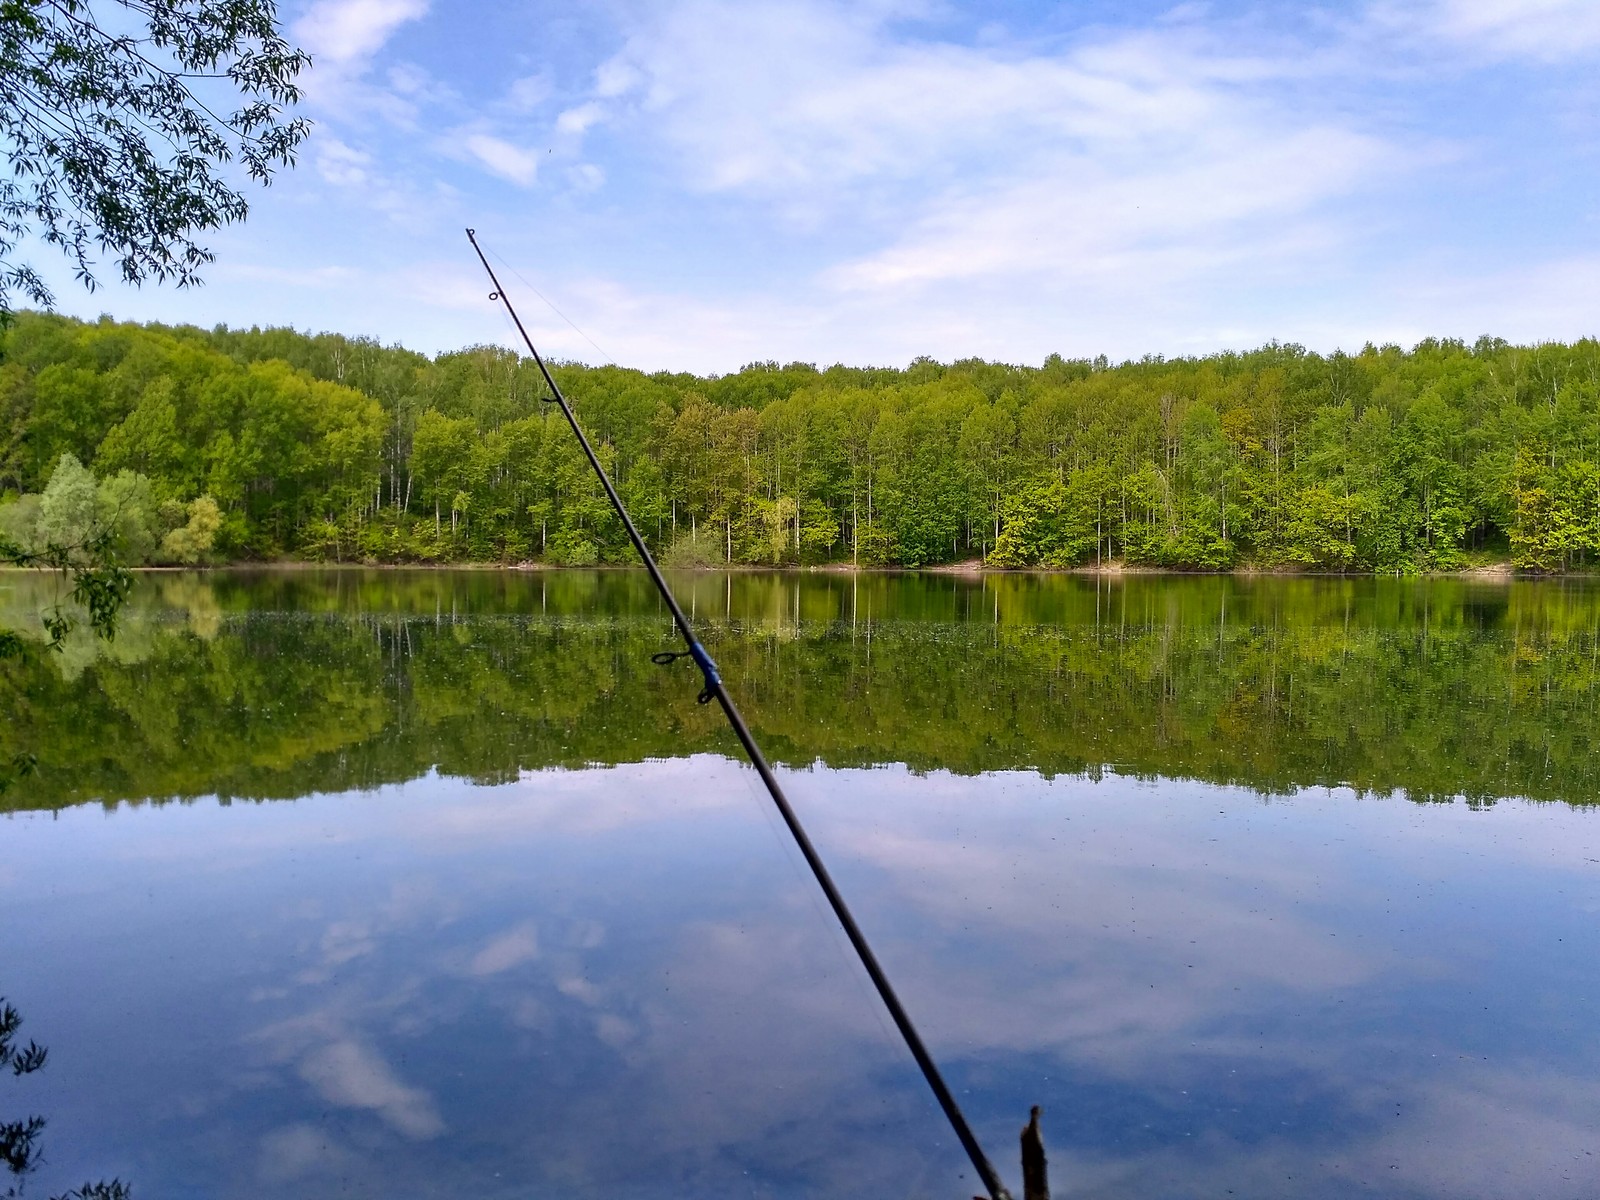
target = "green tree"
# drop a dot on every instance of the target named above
(68, 515)
(147, 439)
(441, 450)
(127, 515)
(189, 542)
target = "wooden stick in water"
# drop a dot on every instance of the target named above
(1035, 1179)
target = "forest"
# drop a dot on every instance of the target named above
(183, 445)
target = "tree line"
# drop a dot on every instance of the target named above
(261, 444)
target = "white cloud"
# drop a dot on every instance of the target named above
(807, 93)
(528, 93)
(1156, 152)
(411, 85)
(587, 177)
(575, 122)
(340, 31)
(505, 160)
(1541, 29)
(342, 165)
(1222, 204)
(615, 77)
(830, 181)
(344, 37)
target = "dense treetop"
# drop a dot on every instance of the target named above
(261, 444)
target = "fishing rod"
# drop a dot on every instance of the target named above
(714, 689)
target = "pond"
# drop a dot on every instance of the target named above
(346, 883)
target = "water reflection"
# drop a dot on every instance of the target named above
(20, 1139)
(268, 685)
(511, 939)
(617, 981)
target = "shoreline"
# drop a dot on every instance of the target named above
(1496, 572)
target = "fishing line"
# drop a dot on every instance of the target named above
(554, 309)
(803, 876)
(714, 689)
(908, 1110)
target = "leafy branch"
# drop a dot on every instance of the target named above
(115, 142)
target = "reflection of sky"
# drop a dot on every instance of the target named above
(618, 982)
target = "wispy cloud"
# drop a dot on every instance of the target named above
(1222, 204)
(342, 165)
(528, 93)
(1164, 152)
(341, 31)
(865, 182)
(1548, 30)
(510, 162)
(575, 122)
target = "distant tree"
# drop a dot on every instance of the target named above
(67, 516)
(111, 138)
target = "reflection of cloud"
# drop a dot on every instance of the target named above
(576, 987)
(1490, 1135)
(590, 802)
(1087, 938)
(350, 1074)
(1472, 1137)
(301, 1150)
(613, 1030)
(1523, 834)
(1172, 915)
(511, 949)
(345, 940)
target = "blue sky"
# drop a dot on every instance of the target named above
(702, 183)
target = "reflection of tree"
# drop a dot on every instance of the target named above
(279, 684)
(98, 591)
(19, 1140)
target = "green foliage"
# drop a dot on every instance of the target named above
(188, 544)
(113, 141)
(68, 512)
(690, 553)
(331, 448)
(126, 512)
(570, 548)
(83, 522)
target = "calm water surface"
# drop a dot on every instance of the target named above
(429, 884)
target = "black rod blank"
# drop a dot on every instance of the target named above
(714, 689)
